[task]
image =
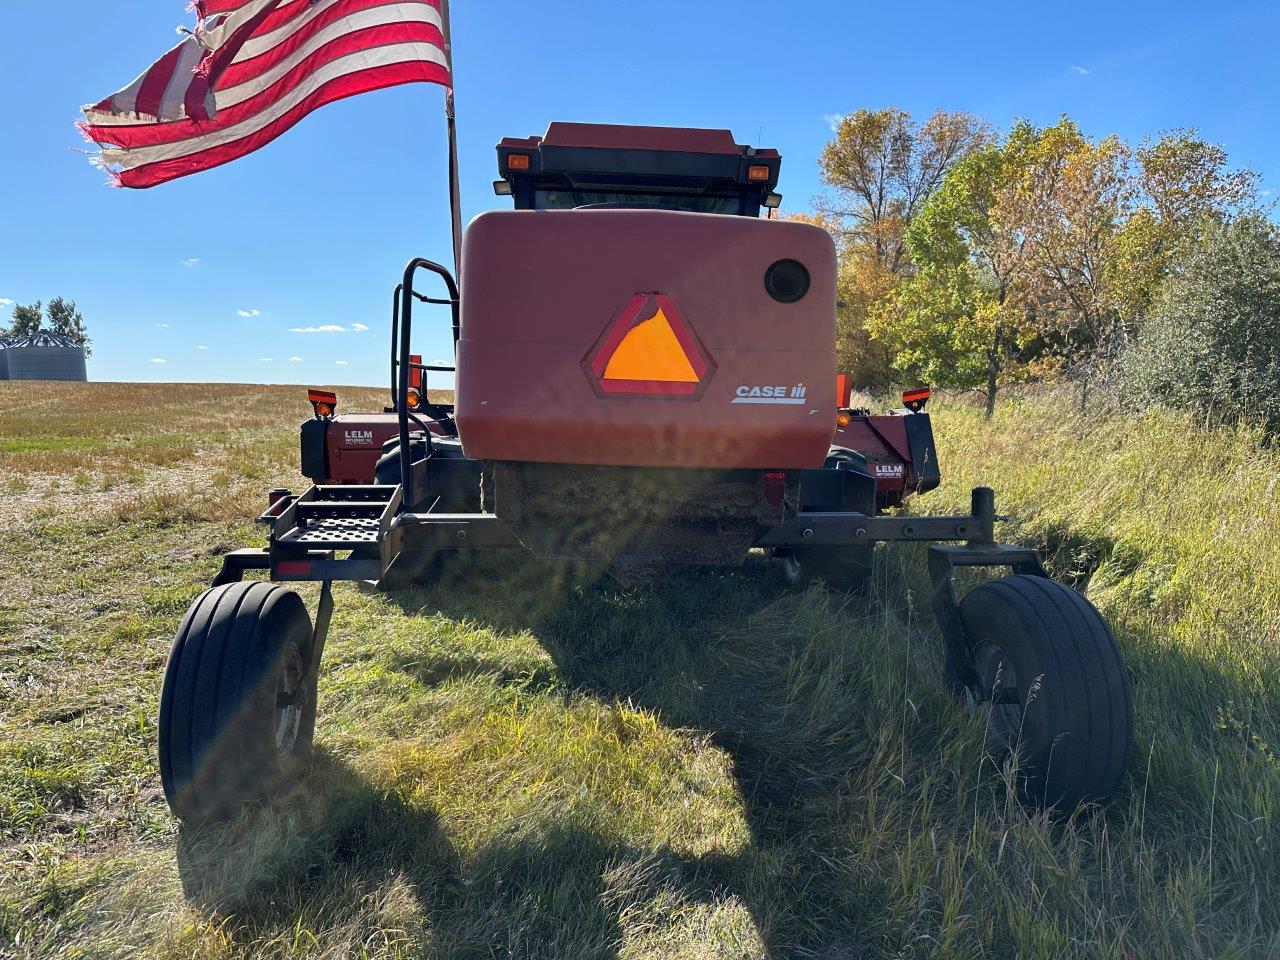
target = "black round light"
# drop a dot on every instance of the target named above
(787, 281)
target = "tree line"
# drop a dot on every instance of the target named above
(976, 259)
(63, 317)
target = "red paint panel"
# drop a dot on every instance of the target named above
(621, 137)
(355, 445)
(541, 286)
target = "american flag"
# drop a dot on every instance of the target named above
(250, 70)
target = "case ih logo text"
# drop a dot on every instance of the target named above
(360, 436)
(793, 396)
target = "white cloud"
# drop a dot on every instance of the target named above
(265, 360)
(833, 121)
(295, 359)
(249, 314)
(359, 327)
(159, 360)
(202, 347)
(1080, 71)
(191, 262)
(343, 363)
(5, 302)
(1261, 193)
(163, 326)
(323, 328)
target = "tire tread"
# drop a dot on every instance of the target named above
(216, 748)
(1084, 679)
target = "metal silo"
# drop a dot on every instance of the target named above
(43, 356)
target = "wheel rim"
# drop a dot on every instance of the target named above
(791, 566)
(289, 694)
(999, 695)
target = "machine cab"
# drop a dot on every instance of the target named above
(598, 166)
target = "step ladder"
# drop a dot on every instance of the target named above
(335, 519)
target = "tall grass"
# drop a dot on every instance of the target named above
(530, 761)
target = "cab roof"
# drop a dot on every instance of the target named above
(606, 136)
(683, 157)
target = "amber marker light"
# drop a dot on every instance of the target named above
(323, 403)
(758, 173)
(518, 161)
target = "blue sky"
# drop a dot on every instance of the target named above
(212, 274)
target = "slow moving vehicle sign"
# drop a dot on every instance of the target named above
(650, 350)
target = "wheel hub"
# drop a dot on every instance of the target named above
(289, 693)
(998, 693)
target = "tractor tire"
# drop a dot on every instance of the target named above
(846, 569)
(238, 705)
(1053, 687)
(387, 473)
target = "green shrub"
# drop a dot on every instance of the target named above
(1212, 344)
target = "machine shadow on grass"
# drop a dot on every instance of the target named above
(308, 855)
(342, 858)
(674, 649)
(725, 652)
(340, 861)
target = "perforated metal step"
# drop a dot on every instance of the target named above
(335, 518)
(333, 533)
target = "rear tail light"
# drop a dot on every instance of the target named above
(323, 403)
(775, 487)
(915, 400)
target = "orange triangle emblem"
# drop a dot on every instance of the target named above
(649, 351)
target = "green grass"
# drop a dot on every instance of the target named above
(528, 761)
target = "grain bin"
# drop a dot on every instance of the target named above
(43, 356)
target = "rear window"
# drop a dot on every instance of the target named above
(575, 199)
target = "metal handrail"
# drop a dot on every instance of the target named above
(395, 334)
(402, 337)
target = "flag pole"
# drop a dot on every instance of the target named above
(451, 117)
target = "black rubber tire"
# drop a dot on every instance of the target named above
(1064, 701)
(387, 472)
(847, 569)
(221, 700)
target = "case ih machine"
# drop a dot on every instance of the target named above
(646, 377)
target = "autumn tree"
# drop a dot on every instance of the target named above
(1184, 186)
(960, 319)
(1068, 198)
(881, 168)
(1103, 222)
